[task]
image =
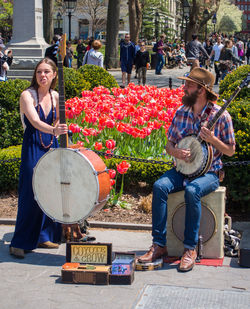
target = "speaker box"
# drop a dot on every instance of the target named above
(211, 226)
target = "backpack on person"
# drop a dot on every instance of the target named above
(155, 47)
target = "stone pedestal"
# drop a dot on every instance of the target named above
(28, 44)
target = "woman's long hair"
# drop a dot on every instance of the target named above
(51, 63)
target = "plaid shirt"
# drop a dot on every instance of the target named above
(184, 124)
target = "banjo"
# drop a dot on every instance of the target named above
(201, 151)
(69, 183)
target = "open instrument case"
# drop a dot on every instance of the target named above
(91, 263)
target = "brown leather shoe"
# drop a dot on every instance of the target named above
(48, 245)
(187, 260)
(17, 252)
(155, 252)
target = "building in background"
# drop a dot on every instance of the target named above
(244, 5)
(85, 23)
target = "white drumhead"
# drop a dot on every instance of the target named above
(195, 147)
(65, 185)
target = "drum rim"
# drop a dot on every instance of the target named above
(35, 193)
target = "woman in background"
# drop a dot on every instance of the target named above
(93, 56)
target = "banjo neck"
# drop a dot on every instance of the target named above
(62, 117)
(213, 121)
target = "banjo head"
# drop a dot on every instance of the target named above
(198, 156)
(65, 185)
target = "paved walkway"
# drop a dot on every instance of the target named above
(159, 80)
(34, 282)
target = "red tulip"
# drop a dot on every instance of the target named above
(98, 146)
(110, 123)
(109, 152)
(112, 182)
(112, 173)
(110, 144)
(74, 128)
(80, 143)
(123, 167)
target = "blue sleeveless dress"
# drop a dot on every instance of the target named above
(32, 225)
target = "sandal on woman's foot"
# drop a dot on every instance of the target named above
(17, 252)
(48, 245)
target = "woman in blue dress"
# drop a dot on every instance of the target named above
(39, 105)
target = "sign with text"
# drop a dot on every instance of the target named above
(89, 253)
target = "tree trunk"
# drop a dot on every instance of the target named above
(48, 26)
(111, 49)
(135, 19)
(196, 19)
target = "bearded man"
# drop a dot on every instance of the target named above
(197, 100)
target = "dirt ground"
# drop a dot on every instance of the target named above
(139, 210)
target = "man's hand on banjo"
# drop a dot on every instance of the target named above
(178, 153)
(183, 154)
(207, 135)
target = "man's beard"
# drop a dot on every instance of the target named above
(190, 99)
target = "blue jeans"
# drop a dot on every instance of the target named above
(159, 64)
(223, 74)
(172, 181)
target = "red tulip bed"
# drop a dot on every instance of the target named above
(131, 121)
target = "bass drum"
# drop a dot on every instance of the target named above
(70, 184)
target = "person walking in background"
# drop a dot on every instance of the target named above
(193, 50)
(137, 47)
(70, 53)
(208, 47)
(51, 51)
(215, 55)
(160, 55)
(142, 63)
(93, 56)
(80, 49)
(235, 52)
(248, 51)
(127, 57)
(89, 46)
(6, 59)
(39, 109)
(240, 46)
(227, 59)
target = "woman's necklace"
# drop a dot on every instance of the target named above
(53, 113)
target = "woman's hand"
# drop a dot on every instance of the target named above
(60, 129)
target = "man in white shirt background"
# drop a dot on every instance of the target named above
(216, 53)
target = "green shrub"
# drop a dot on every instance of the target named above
(139, 171)
(97, 76)
(240, 112)
(237, 177)
(232, 81)
(74, 83)
(9, 171)
(11, 131)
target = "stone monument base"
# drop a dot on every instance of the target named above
(26, 55)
